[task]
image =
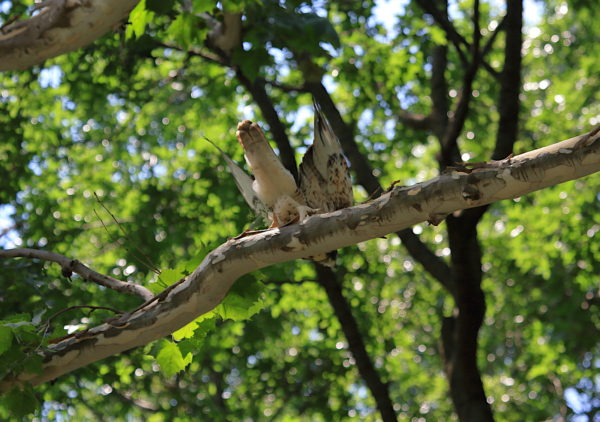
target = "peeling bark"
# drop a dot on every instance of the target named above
(395, 210)
(60, 26)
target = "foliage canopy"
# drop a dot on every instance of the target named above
(117, 128)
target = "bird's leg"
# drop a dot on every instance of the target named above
(275, 222)
(288, 210)
(305, 211)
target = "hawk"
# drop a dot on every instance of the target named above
(324, 184)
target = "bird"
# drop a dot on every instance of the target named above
(324, 183)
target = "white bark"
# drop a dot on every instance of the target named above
(395, 210)
(59, 27)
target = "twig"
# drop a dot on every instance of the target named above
(442, 20)
(148, 262)
(285, 87)
(490, 42)
(298, 282)
(91, 307)
(457, 40)
(7, 230)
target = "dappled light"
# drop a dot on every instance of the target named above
(137, 283)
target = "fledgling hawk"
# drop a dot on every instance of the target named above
(324, 184)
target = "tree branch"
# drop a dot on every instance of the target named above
(490, 42)
(343, 311)
(395, 210)
(196, 52)
(90, 307)
(74, 266)
(457, 40)
(128, 397)
(285, 87)
(441, 18)
(415, 121)
(439, 90)
(450, 152)
(61, 26)
(466, 387)
(510, 81)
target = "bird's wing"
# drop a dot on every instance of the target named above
(272, 179)
(244, 184)
(324, 176)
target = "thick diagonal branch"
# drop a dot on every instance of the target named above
(395, 210)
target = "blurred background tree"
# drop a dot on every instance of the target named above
(492, 314)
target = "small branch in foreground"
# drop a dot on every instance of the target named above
(74, 266)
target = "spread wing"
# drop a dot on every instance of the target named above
(324, 176)
(244, 184)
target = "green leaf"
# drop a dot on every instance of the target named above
(16, 318)
(183, 29)
(33, 364)
(6, 337)
(19, 403)
(170, 275)
(170, 359)
(198, 327)
(200, 6)
(161, 7)
(139, 17)
(251, 61)
(302, 31)
(243, 300)
(438, 35)
(194, 343)
(157, 286)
